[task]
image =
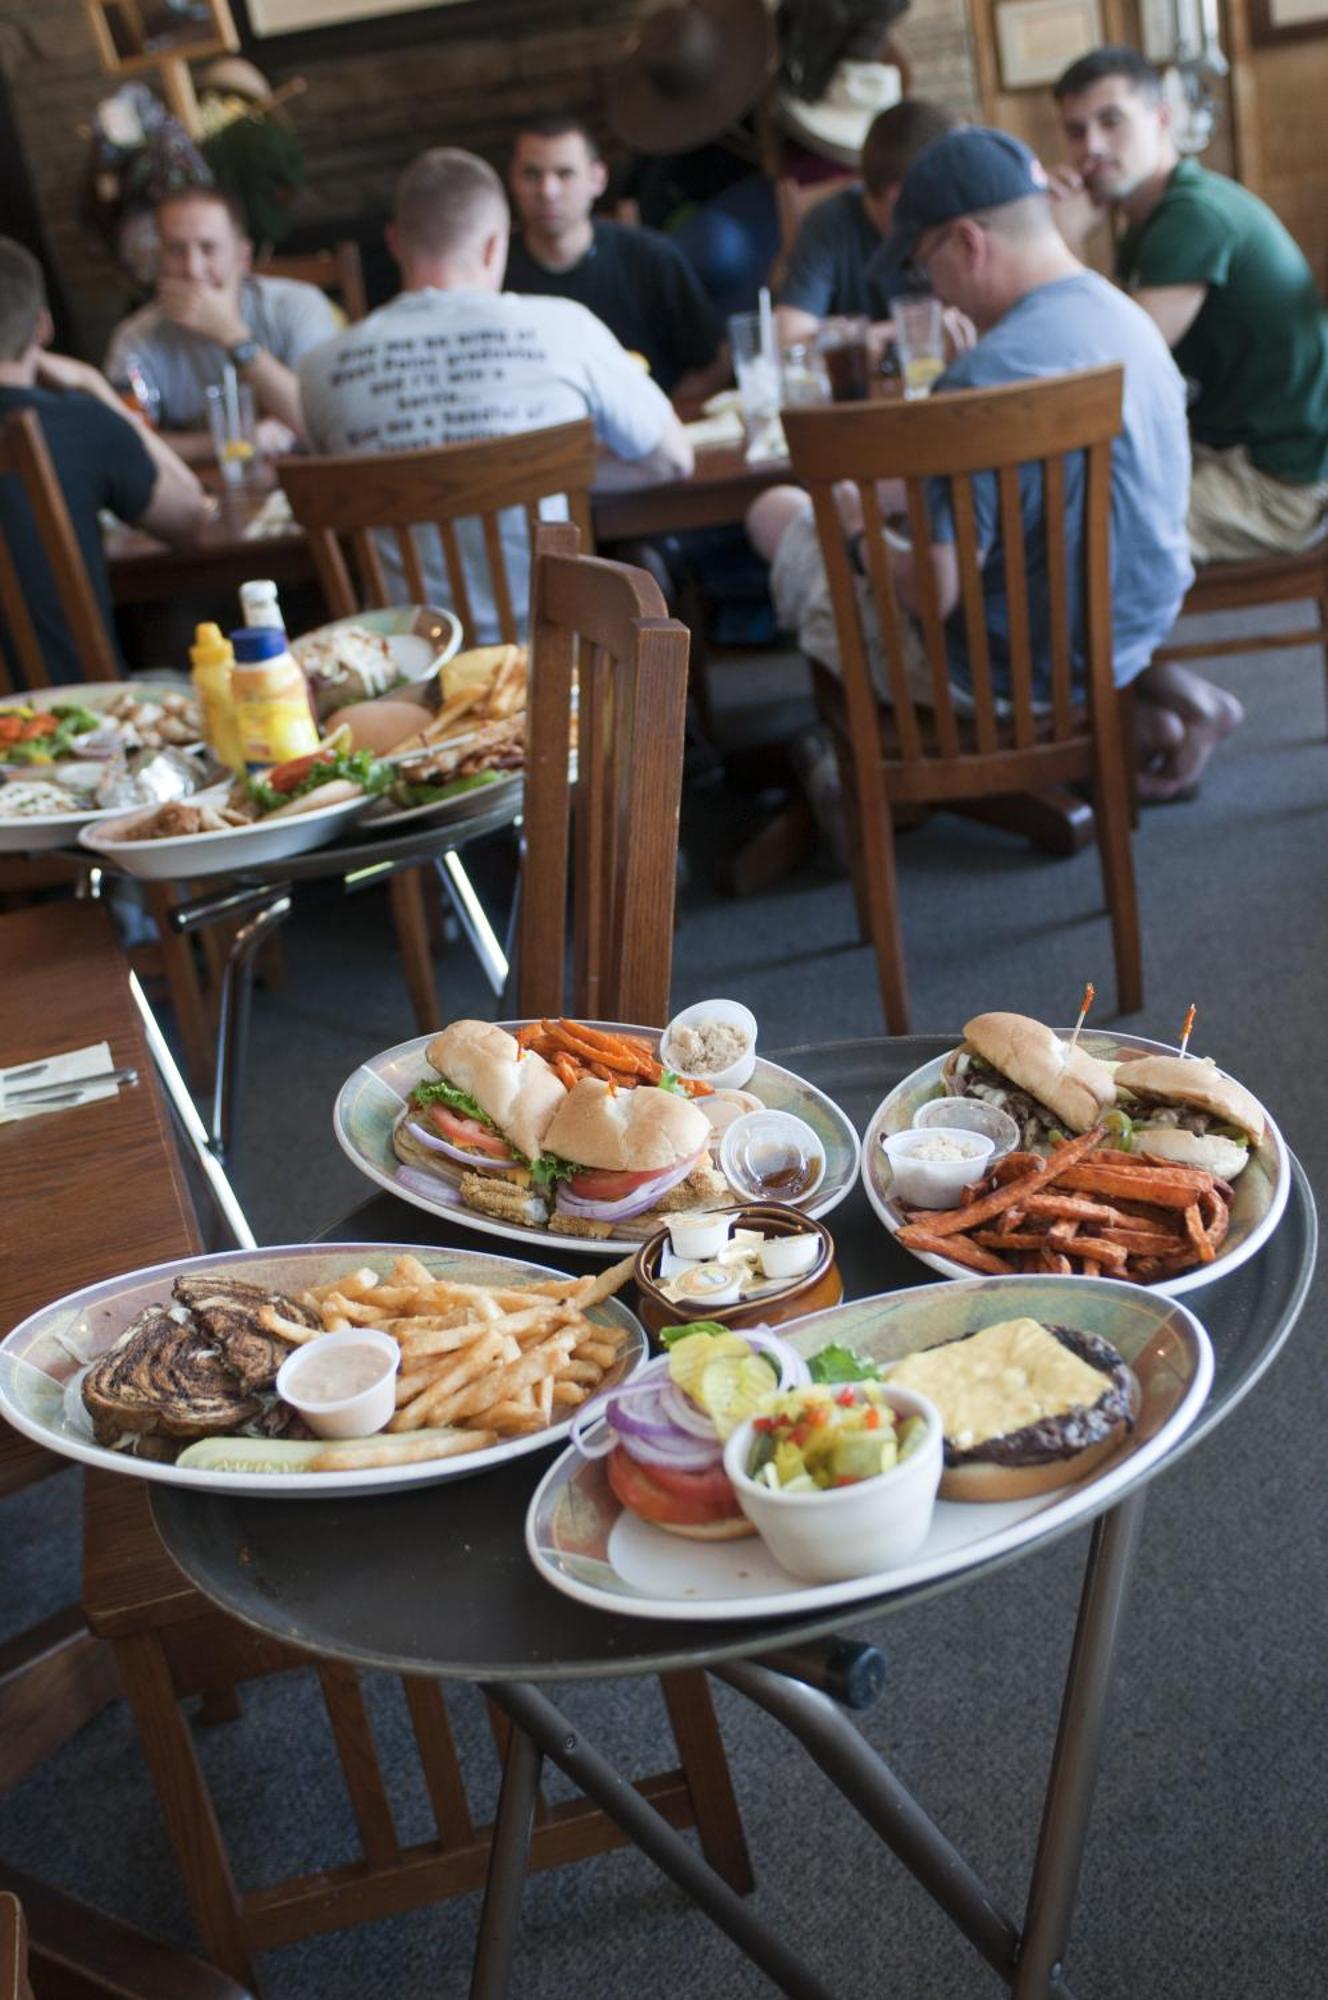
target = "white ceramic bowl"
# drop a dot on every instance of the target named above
(733, 1014)
(849, 1531)
(971, 1114)
(354, 1416)
(934, 1183)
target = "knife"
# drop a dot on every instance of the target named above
(55, 1093)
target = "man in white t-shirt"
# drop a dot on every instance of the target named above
(454, 358)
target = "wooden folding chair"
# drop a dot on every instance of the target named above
(605, 626)
(23, 454)
(338, 271)
(938, 753)
(415, 498)
(1252, 585)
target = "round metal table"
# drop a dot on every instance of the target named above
(437, 1580)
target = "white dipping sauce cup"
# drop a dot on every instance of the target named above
(349, 1416)
(934, 1183)
(734, 1015)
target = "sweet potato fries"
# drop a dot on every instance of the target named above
(1087, 1208)
(574, 1050)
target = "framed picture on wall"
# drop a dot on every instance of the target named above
(293, 17)
(134, 35)
(1037, 39)
(1287, 20)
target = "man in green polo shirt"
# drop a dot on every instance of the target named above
(1233, 296)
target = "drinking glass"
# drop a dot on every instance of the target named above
(844, 349)
(756, 369)
(920, 338)
(136, 389)
(230, 406)
(802, 371)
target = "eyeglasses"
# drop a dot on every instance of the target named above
(923, 264)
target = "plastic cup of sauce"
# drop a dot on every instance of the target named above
(932, 1165)
(343, 1384)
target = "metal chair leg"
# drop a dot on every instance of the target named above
(509, 1848)
(473, 918)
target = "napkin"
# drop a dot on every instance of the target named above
(71, 1068)
(274, 517)
(724, 428)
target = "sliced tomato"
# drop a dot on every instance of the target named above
(285, 777)
(600, 1184)
(671, 1498)
(459, 1130)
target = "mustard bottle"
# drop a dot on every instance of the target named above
(212, 660)
(271, 698)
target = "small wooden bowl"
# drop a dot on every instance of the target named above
(816, 1289)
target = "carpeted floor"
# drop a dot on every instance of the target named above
(1207, 1856)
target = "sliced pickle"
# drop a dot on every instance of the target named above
(731, 1390)
(690, 1357)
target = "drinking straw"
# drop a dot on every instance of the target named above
(767, 326)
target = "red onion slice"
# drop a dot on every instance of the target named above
(635, 1203)
(684, 1413)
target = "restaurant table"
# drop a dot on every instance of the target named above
(225, 554)
(437, 1580)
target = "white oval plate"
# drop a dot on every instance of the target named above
(38, 1358)
(420, 637)
(583, 1542)
(1259, 1194)
(37, 836)
(370, 1102)
(226, 853)
(505, 790)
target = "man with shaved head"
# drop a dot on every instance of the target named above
(454, 359)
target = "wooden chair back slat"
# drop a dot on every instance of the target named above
(410, 563)
(605, 623)
(13, 1949)
(18, 623)
(974, 605)
(1016, 597)
(340, 595)
(438, 1760)
(456, 574)
(338, 270)
(1027, 740)
(343, 1695)
(933, 628)
(373, 584)
(508, 629)
(367, 496)
(23, 454)
(1058, 599)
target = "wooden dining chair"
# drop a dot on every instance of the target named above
(24, 457)
(338, 271)
(604, 629)
(417, 500)
(13, 1949)
(912, 753)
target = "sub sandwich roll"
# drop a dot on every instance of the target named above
(1025, 1408)
(1047, 1085)
(489, 1108)
(1182, 1108)
(629, 1151)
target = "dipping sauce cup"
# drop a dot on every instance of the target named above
(959, 1158)
(343, 1384)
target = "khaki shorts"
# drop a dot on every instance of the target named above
(1237, 511)
(801, 593)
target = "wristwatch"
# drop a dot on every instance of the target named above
(245, 351)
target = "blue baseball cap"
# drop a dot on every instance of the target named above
(959, 174)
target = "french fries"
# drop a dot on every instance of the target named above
(1085, 1209)
(487, 684)
(574, 1050)
(478, 1362)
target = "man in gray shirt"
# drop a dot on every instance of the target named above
(211, 309)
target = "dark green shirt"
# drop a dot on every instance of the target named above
(1257, 353)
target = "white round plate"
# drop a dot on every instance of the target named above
(37, 836)
(370, 1102)
(39, 1357)
(226, 853)
(1259, 1193)
(583, 1542)
(506, 789)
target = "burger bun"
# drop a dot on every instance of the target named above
(1208, 1150)
(382, 726)
(1190, 1080)
(626, 1131)
(980, 1479)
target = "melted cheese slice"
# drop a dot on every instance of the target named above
(999, 1380)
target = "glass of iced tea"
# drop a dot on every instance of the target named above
(847, 357)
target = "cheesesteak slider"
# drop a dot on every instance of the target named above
(1184, 1109)
(1047, 1085)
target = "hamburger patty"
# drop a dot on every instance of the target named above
(1063, 1436)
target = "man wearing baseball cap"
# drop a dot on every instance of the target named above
(974, 216)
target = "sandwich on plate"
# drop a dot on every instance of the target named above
(1182, 1108)
(598, 1160)
(1050, 1087)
